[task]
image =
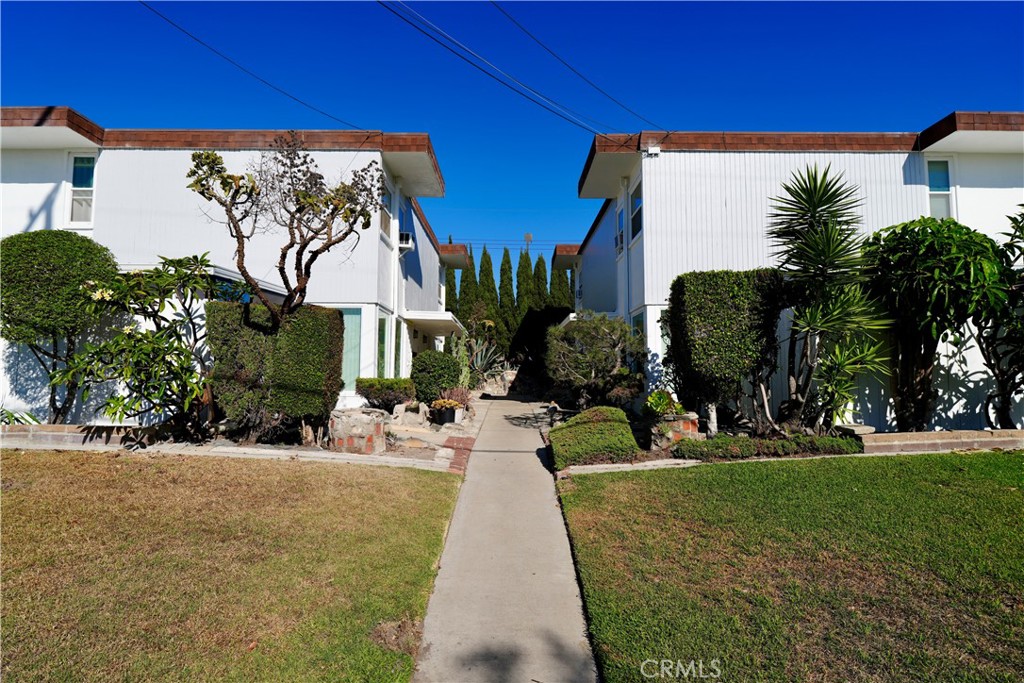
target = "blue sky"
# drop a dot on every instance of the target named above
(510, 167)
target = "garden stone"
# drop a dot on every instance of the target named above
(359, 430)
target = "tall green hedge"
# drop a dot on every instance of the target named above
(433, 371)
(258, 377)
(721, 327)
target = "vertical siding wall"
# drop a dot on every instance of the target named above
(143, 210)
(33, 189)
(707, 210)
(597, 275)
(420, 267)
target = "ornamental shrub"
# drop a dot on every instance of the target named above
(41, 301)
(265, 382)
(721, 328)
(723, 447)
(385, 394)
(433, 371)
(597, 435)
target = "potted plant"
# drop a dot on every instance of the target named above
(447, 410)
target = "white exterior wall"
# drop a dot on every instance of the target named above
(421, 271)
(708, 210)
(986, 188)
(597, 275)
(34, 188)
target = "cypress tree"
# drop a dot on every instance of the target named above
(451, 292)
(560, 295)
(541, 298)
(509, 314)
(468, 295)
(488, 292)
(524, 283)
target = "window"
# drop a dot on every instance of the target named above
(940, 198)
(636, 210)
(638, 323)
(350, 354)
(398, 348)
(382, 346)
(82, 171)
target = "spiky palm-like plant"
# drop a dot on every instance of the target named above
(814, 228)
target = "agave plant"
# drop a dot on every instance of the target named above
(485, 361)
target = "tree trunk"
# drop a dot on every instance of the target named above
(913, 396)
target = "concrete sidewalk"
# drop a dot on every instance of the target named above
(506, 605)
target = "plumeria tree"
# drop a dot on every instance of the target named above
(284, 192)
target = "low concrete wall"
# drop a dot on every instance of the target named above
(935, 442)
(76, 435)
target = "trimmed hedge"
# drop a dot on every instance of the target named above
(259, 378)
(385, 393)
(594, 436)
(723, 447)
(433, 371)
(721, 326)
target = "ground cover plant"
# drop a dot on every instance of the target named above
(724, 447)
(173, 568)
(596, 435)
(904, 568)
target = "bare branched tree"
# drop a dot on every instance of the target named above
(285, 191)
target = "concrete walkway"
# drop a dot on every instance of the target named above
(506, 605)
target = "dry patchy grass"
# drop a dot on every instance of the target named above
(138, 567)
(866, 569)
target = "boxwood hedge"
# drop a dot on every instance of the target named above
(597, 435)
(261, 377)
(723, 447)
(385, 393)
(433, 371)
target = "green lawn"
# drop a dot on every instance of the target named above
(175, 568)
(879, 569)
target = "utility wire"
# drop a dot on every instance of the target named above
(570, 67)
(566, 116)
(245, 70)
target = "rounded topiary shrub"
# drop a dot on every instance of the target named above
(433, 371)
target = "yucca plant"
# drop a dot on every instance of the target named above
(821, 252)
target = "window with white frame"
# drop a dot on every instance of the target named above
(385, 213)
(636, 210)
(940, 195)
(83, 168)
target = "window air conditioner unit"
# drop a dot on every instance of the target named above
(405, 242)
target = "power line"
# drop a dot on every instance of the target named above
(245, 70)
(570, 67)
(568, 116)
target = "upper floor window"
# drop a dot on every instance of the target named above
(636, 210)
(620, 231)
(82, 171)
(385, 214)
(940, 202)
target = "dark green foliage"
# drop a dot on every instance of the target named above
(265, 381)
(724, 447)
(530, 346)
(721, 329)
(468, 295)
(540, 297)
(488, 291)
(561, 297)
(41, 301)
(572, 289)
(451, 292)
(508, 314)
(594, 436)
(524, 284)
(598, 359)
(305, 372)
(931, 275)
(433, 371)
(385, 393)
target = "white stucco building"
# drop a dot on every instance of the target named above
(126, 189)
(677, 202)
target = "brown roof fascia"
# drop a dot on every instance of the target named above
(567, 249)
(65, 117)
(239, 139)
(970, 120)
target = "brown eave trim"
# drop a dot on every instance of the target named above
(567, 249)
(970, 120)
(239, 139)
(65, 117)
(425, 223)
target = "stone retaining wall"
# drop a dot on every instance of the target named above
(935, 442)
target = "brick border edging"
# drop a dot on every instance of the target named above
(463, 446)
